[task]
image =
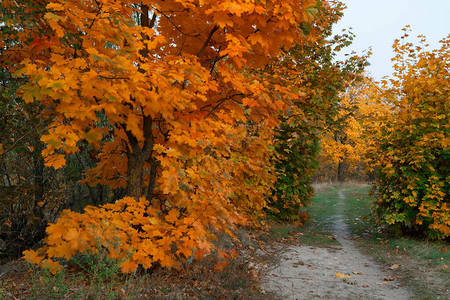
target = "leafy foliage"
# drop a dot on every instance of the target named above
(129, 230)
(295, 164)
(172, 101)
(32, 193)
(346, 142)
(312, 71)
(411, 149)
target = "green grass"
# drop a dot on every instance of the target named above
(319, 239)
(424, 265)
(318, 229)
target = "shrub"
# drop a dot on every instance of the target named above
(412, 150)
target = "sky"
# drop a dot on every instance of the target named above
(377, 23)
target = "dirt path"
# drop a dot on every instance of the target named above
(332, 272)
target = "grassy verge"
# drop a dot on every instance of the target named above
(318, 229)
(422, 265)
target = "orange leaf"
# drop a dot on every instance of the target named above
(56, 161)
(173, 215)
(128, 266)
(32, 256)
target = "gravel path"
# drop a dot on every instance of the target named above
(340, 272)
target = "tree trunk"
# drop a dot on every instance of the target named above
(135, 175)
(137, 157)
(152, 182)
(340, 171)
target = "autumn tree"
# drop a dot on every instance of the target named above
(166, 95)
(347, 140)
(411, 148)
(312, 70)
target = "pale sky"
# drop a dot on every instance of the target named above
(377, 23)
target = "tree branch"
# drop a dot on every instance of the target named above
(208, 39)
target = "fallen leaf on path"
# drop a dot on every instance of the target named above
(365, 286)
(340, 275)
(394, 267)
(389, 279)
(357, 272)
(381, 283)
(350, 282)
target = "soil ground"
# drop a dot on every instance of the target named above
(336, 271)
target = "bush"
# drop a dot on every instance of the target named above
(412, 150)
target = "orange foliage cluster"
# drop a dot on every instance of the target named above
(165, 95)
(130, 230)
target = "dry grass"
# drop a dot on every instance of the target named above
(200, 279)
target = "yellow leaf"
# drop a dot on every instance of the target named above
(341, 275)
(222, 19)
(52, 17)
(55, 231)
(93, 135)
(62, 249)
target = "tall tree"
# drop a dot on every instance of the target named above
(346, 142)
(166, 94)
(312, 71)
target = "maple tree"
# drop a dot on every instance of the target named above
(411, 146)
(166, 96)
